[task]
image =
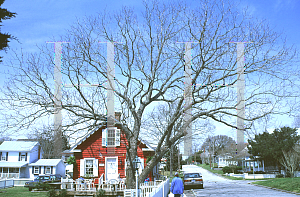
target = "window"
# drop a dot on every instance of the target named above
(89, 167)
(36, 170)
(4, 156)
(111, 137)
(23, 157)
(48, 170)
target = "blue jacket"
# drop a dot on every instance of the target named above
(177, 186)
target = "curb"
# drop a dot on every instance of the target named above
(273, 188)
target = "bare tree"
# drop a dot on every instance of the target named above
(217, 143)
(291, 159)
(149, 71)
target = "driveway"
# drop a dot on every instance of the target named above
(215, 185)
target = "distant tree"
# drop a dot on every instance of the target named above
(297, 121)
(174, 159)
(4, 37)
(271, 147)
(46, 139)
(217, 143)
(2, 139)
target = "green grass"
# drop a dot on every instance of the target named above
(289, 184)
(207, 167)
(21, 191)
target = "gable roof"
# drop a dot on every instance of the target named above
(88, 134)
(17, 146)
(46, 162)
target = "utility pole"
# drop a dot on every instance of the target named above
(171, 157)
(178, 158)
(209, 153)
(214, 153)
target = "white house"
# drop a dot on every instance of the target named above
(15, 157)
(47, 166)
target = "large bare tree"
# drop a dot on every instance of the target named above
(150, 71)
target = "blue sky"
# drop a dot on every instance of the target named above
(39, 20)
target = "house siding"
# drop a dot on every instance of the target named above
(90, 149)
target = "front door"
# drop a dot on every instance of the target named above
(111, 168)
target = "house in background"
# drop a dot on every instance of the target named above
(103, 152)
(15, 156)
(66, 154)
(47, 166)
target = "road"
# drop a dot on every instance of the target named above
(218, 186)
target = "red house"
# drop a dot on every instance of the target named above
(103, 151)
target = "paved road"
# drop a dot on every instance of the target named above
(218, 186)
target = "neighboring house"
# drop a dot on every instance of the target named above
(15, 156)
(242, 159)
(47, 166)
(66, 154)
(103, 151)
(225, 160)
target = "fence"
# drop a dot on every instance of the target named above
(4, 183)
(150, 189)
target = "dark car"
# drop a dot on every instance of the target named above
(42, 179)
(192, 180)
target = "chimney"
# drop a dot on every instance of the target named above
(118, 116)
(39, 152)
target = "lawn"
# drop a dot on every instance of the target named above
(21, 191)
(290, 184)
(207, 167)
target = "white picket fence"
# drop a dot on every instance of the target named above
(150, 189)
(4, 183)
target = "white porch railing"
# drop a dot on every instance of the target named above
(9, 175)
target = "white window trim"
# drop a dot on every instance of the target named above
(23, 157)
(38, 169)
(48, 167)
(117, 137)
(85, 168)
(95, 166)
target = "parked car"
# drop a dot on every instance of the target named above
(192, 180)
(42, 179)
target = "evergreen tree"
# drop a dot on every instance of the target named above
(4, 37)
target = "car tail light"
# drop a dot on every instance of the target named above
(198, 179)
(187, 180)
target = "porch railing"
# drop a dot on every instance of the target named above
(9, 175)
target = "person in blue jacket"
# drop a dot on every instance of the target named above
(177, 186)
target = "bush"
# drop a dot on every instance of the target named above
(206, 163)
(52, 193)
(100, 193)
(226, 169)
(62, 193)
(279, 175)
(288, 174)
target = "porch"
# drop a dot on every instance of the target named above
(12, 169)
(113, 187)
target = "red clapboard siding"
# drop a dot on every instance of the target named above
(90, 149)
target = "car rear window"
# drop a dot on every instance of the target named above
(192, 175)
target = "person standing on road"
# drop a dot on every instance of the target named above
(177, 186)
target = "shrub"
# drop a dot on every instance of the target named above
(279, 175)
(226, 169)
(100, 193)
